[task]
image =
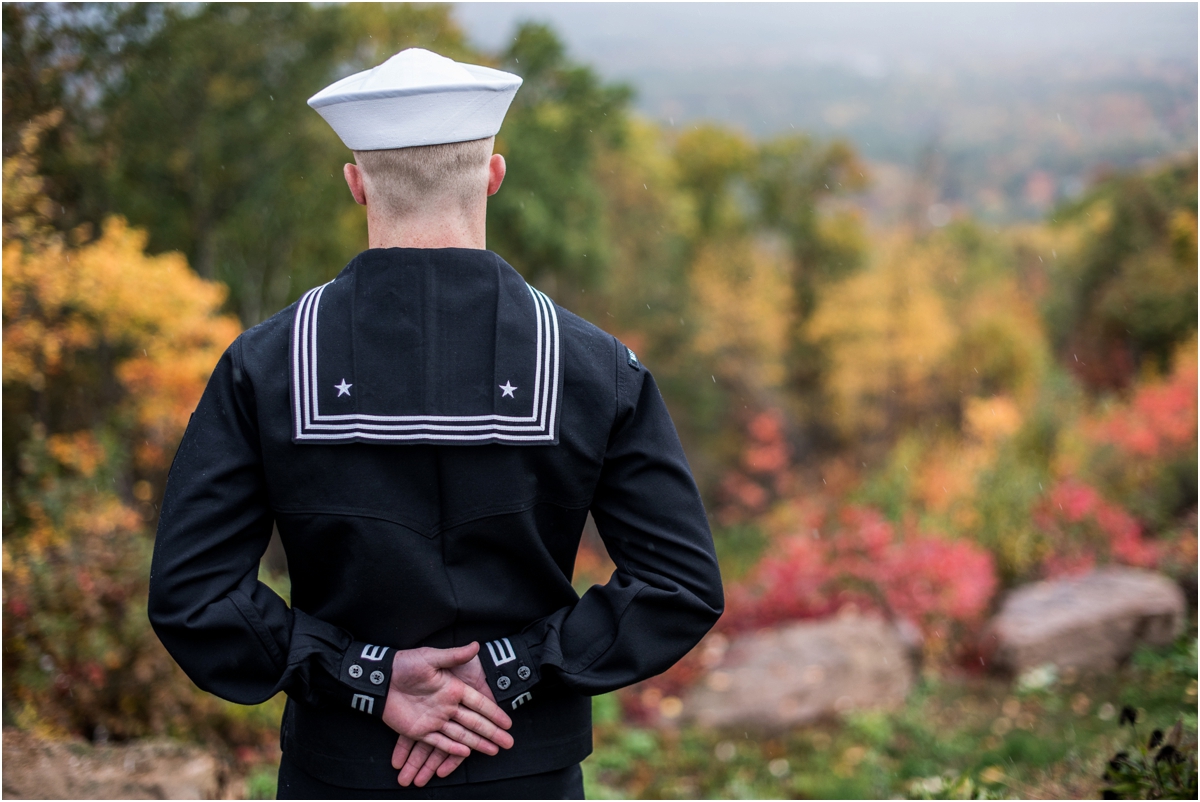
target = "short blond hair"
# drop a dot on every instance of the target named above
(405, 181)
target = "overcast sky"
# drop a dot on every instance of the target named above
(622, 39)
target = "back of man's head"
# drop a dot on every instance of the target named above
(428, 179)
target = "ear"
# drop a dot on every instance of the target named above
(496, 171)
(354, 180)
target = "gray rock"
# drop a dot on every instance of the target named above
(1091, 622)
(42, 769)
(781, 677)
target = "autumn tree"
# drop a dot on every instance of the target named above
(1127, 296)
(191, 121)
(106, 352)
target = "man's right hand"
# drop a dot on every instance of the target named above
(419, 762)
(428, 702)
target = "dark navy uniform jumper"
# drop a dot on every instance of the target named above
(428, 433)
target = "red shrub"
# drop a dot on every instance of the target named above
(936, 583)
(1158, 422)
(763, 472)
(1082, 529)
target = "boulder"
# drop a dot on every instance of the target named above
(777, 678)
(1091, 622)
(44, 769)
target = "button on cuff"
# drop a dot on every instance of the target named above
(509, 668)
(365, 673)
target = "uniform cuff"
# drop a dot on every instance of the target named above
(510, 670)
(365, 675)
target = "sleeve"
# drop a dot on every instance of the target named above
(666, 592)
(230, 633)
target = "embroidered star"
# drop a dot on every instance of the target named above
(343, 388)
(506, 388)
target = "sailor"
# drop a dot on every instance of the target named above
(428, 434)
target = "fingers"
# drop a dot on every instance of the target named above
(439, 741)
(481, 704)
(424, 762)
(464, 736)
(480, 725)
(449, 765)
(400, 754)
(440, 753)
(432, 764)
(416, 759)
(449, 658)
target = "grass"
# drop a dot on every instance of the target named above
(261, 783)
(1047, 735)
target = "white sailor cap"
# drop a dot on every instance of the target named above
(416, 98)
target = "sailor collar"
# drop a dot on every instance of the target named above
(410, 345)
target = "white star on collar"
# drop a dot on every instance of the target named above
(506, 388)
(343, 388)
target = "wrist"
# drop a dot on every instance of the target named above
(365, 675)
(510, 670)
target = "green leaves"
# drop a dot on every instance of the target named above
(1168, 773)
(192, 122)
(1129, 297)
(549, 217)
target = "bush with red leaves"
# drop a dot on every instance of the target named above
(1143, 451)
(1159, 422)
(940, 585)
(1082, 529)
(763, 471)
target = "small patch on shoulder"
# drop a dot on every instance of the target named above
(631, 357)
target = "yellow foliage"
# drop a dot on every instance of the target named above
(743, 301)
(62, 303)
(887, 329)
(1183, 235)
(990, 420)
(1001, 347)
(946, 477)
(106, 352)
(26, 209)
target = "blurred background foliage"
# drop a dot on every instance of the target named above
(910, 419)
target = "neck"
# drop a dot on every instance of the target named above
(427, 231)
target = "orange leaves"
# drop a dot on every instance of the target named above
(62, 304)
(989, 420)
(106, 352)
(78, 451)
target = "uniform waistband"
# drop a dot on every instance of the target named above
(566, 783)
(353, 751)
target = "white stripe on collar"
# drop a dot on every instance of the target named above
(312, 426)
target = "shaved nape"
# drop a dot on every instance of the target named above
(407, 181)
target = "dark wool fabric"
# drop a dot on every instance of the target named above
(397, 544)
(295, 783)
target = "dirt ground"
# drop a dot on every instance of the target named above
(41, 769)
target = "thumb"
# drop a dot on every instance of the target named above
(449, 658)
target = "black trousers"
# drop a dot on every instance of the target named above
(566, 783)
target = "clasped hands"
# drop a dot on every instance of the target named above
(440, 704)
